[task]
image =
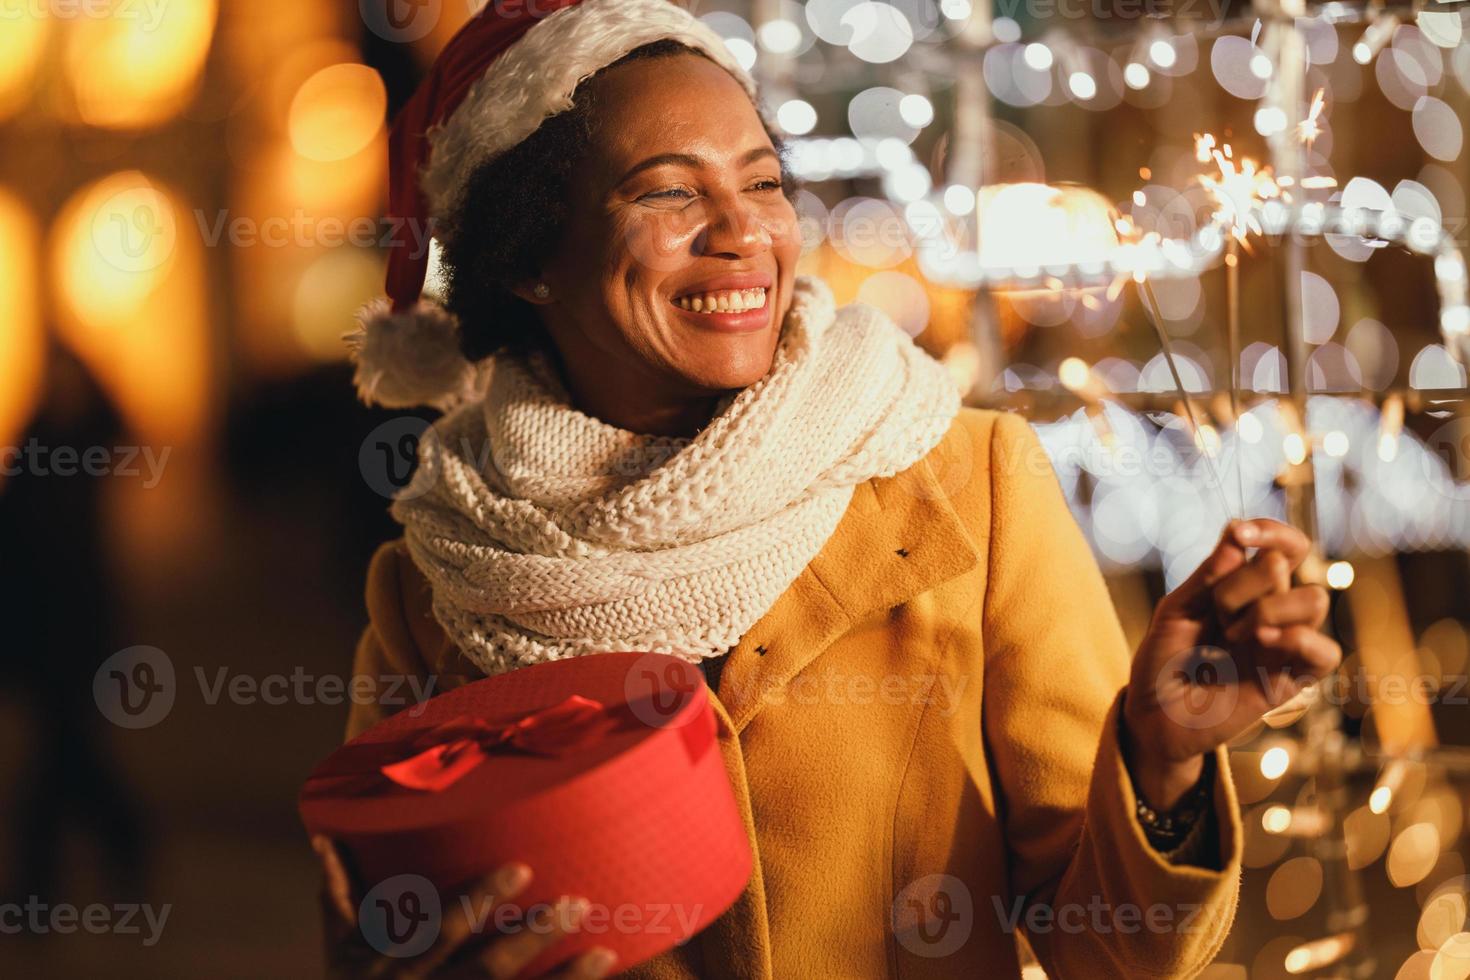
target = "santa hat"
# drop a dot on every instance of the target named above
(512, 66)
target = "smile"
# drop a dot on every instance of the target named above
(724, 301)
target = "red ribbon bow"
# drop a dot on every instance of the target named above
(456, 747)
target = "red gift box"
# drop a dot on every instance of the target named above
(602, 773)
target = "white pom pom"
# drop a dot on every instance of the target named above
(409, 359)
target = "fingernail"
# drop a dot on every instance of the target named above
(601, 961)
(512, 878)
(1268, 634)
(1247, 533)
(576, 908)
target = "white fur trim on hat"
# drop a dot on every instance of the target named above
(409, 359)
(538, 75)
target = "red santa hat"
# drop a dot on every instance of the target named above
(512, 66)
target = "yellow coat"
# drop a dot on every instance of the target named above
(922, 729)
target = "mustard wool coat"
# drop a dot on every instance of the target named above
(922, 734)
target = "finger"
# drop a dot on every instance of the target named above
(1228, 556)
(507, 956)
(476, 908)
(1301, 652)
(1266, 573)
(1265, 533)
(338, 881)
(1305, 605)
(596, 962)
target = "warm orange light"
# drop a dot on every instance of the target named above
(123, 247)
(337, 112)
(139, 65)
(22, 343)
(129, 283)
(22, 42)
(327, 295)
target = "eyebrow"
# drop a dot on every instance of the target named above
(688, 160)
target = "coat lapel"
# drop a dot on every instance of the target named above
(899, 537)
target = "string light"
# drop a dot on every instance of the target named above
(1379, 31)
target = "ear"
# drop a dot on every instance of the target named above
(526, 290)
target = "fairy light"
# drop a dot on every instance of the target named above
(1038, 57)
(1388, 783)
(1136, 75)
(1275, 761)
(1302, 821)
(1276, 819)
(1295, 448)
(1318, 953)
(1390, 425)
(1375, 37)
(1074, 373)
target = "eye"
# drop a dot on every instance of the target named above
(769, 185)
(672, 193)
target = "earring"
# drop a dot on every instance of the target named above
(542, 290)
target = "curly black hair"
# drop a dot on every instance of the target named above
(500, 238)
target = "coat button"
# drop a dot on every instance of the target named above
(902, 552)
(761, 650)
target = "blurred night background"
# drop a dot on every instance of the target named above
(190, 195)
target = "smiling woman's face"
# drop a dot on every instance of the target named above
(678, 205)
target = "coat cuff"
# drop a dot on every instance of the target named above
(1196, 900)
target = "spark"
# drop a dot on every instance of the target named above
(1237, 186)
(1308, 129)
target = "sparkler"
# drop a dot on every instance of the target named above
(1308, 130)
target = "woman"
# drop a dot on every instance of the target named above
(925, 696)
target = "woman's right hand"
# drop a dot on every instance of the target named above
(502, 956)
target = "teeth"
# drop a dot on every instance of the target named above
(728, 301)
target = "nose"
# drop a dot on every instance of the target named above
(734, 230)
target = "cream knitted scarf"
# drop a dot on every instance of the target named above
(546, 533)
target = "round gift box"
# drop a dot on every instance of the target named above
(638, 817)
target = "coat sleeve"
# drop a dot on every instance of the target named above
(1099, 900)
(388, 666)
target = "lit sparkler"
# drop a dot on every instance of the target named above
(1309, 129)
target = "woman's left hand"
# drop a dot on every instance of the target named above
(1230, 643)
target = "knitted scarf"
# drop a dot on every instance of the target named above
(546, 533)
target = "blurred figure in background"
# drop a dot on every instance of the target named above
(56, 602)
